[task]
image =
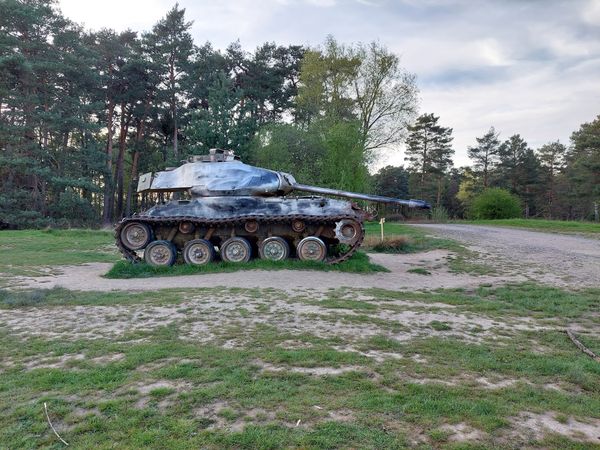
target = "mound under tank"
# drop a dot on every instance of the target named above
(236, 211)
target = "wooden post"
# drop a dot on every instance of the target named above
(381, 222)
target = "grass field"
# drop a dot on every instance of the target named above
(267, 369)
(33, 252)
(488, 367)
(560, 226)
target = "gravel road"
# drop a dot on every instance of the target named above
(559, 259)
(516, 255)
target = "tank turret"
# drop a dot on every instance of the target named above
(223, 174)
(238, 211)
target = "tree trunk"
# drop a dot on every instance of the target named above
(551, 194)
(134, 166)
(596, 212)
(119, 176)
(107, 209)
(485, 177)
(175, 149)
(133, 177)
(173, 105)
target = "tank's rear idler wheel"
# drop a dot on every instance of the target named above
(236, 250)
(274, 248)
(311, 248)
(198, 252)
(135, 235)
(160, 254)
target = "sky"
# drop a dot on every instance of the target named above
(530, 67)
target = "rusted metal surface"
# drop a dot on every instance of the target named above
(217, 230)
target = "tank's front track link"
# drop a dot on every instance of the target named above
(133, 257)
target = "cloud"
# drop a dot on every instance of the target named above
(591, 12)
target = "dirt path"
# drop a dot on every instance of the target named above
(518, 255)
(88, 277)
(553, 258)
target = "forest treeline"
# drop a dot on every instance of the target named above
(82, 113)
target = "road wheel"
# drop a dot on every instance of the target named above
(198, 252)
(274, 249)
(311, 248)
(160, 254)
(236, 250)
(136, 235)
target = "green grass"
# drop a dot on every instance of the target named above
(561, 226)
(211, 396)
(358, 263)
(28, 252)
(56, 247)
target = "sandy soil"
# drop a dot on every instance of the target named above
(562, 260)
(88, 277)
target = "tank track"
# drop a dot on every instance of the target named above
(134, 258)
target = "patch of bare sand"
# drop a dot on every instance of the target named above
(315, 371)
(169, 389)
(60, 361)
(537, 426)
(223, 415)
(53, 362)
(461, 432)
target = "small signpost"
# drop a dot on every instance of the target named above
(381, 222)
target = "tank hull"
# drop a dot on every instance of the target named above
(234, 207)
(300, 225)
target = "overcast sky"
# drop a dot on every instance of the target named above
(524, 66)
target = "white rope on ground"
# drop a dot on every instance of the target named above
(52, 426)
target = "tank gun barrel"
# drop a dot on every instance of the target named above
(372, 198)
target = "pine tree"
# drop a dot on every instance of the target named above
(584, 167)
(429, 151)
(485, 154)
(551, 158)
(171, 46)
(509, 154)
(529, 176)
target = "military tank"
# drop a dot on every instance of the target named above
(236, 211)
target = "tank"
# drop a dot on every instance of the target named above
(235, 211)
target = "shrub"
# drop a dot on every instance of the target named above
(439, 214)
(495, 203)
(400, 244)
